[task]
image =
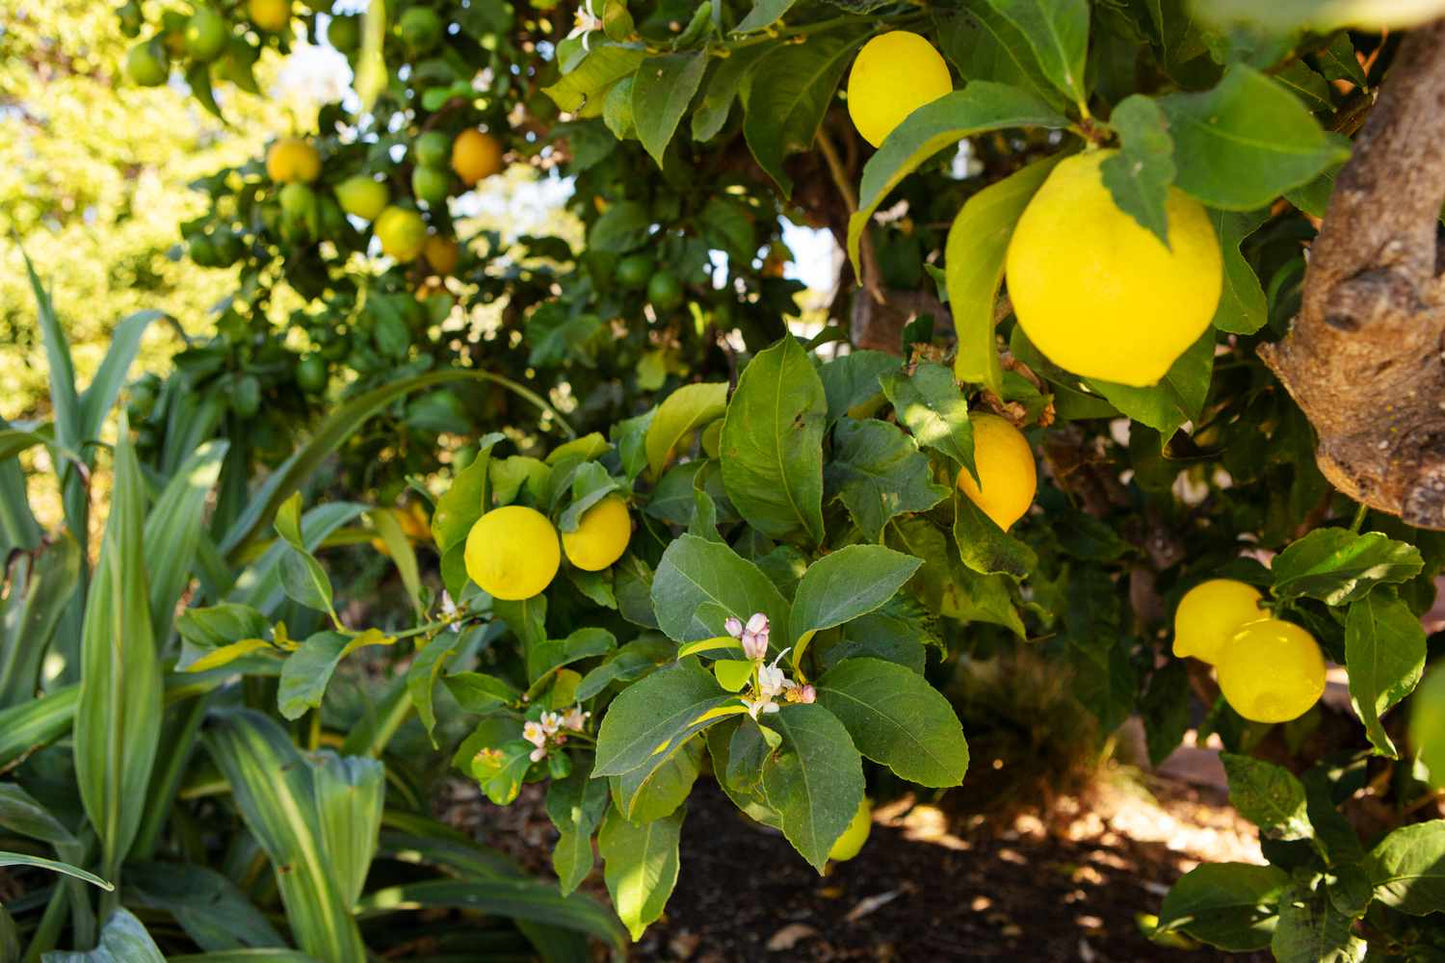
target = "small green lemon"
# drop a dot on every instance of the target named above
(1210, 614)
(512, 553)
(1271, 671)
(895, 74)
(1005, 466)
(363, 196)
(147, 64)
(855, 834)
(402, 233)
(1100, 295)
(206, 34)
(433, 149)
(601, 537)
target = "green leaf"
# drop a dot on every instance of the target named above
(465, 500)
(933, 127)
(478, 692)
(686, 409)
(1243, 307)
(206, 630)
(986, 548)
(663, 87)
(1312, 930)
(1268, 796)
(623, 227)
(772, 443)
(852, 379)
(1408, 868)
(896, 718)
(879, 473)
(644, 794)
(724, 84)
(38, 589)
(1230, 906)
(1385, 656)
(696, 571)
(789, 92)
(522, 899)
(39, 722)
(986, 46)
(843, 585)
(1139, 175)
(1320, 15)
(581, 90)
(98, 398)
(576, 806)
(403, 556)
(213, 910)
(307, 671)
(1245, 142)
(118, 716)
(122, 940)
(275, 790)
(1058, 34)
(935, 411)
(349, 793)
(1338, 566)
(1178, 397)
(814, 780)
(173, 532)
(640, 866)
(763, 14)
(973, 264)
(21, 859)
(650, 719)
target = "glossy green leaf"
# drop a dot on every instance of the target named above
(933, 127)
(1385, 656)
(1243, 307)
(1231, 906)
(929, 402)
(814, 781)
(986, 548)
(1267, 795)
(1312, 930)
(306, 672)
(843, 585)
(640, 866)
(879, 473)
(662, 88)
(699, 583)
(896, 718)
(1338, 566)
(1058, 33)
(686, 409)
(650, 719)
(1177, 398)
(1139, 175)
(1408, 868)
(575, 806)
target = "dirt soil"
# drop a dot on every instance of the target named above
(930, 885)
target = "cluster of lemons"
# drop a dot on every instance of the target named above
(1269, 670)
(1096, 292)
(512, 553)
(203, 37)
(295, 164)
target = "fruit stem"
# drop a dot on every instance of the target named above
(1359, 521)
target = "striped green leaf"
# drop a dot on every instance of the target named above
(117, 722)
(173, 532)
(38, 587)
(54, 865)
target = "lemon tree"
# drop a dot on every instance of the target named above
(681, 525)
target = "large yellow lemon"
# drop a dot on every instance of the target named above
(512, 552)
(476, 155)
(895, 74)
(1005, 466)
(855, 834)
(1271, 671)
(1210, 614)
(291, 160)
(402, 233)
(273, 16)
(1098, 294)
(601, 537)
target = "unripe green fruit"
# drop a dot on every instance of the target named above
(420, 29)
(297, 200)
(634, 271)
(362, 196)
(202, 251)
(430, 186)
(344, 33)
(434, 149)
(402, 233)
(311, 374)
(665, 292)
(147, 64)
(206, 34)
(246, 399)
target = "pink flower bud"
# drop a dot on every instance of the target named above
(733, 626)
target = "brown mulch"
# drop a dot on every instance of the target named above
(929, 884)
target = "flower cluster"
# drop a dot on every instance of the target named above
(769, 681)
(551, 729)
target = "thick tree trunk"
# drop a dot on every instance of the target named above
(1364, 358)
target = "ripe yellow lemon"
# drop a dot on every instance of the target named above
(895, 74)
(273, 16)
(291, 160)
(476, 155)
(601, 537)
(1210, 614)
(402, 233)
(1005, 466)
(1271, 671)
(854, 835)
(441, 253)
(1100, 295)
(512, 553)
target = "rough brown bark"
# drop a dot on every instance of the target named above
(1364, 358)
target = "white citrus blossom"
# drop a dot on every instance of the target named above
(576, 719)
(586, 21)
(537, 736)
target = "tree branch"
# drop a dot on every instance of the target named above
(1363, 359)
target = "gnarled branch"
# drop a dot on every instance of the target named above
(1363, 359)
